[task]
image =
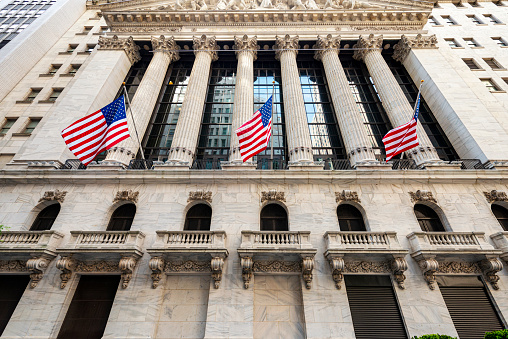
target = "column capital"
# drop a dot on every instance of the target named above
(325, 44)
(403, 47)
(206, 44)
(166, 45)
(115, 43)
(246, 44)
(287, 43)
(367, 44)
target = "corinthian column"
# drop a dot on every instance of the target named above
(393, 99)
(298, 135)
(246, 53)
(165, 51)
(351, 126)
(186, 135)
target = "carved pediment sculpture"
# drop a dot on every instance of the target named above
(126, 196)
(55, 195)
(273, 195)
(200, 195)
(346, 195)
(422, 196)
(495, 196)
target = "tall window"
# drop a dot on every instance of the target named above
(350, 218)
(198, 218)
(12, 287)
(122, 218)
(501, 214)
(46, 218)
(324, 130)
(136, 73)
(428, 219)
(274, 218)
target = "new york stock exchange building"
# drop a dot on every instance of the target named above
(315, 237)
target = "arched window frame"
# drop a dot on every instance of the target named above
(115, 207)
(502, 204)
(39, 209)
(192, 205)
(439, 212)
(275, 203)
(359, 208)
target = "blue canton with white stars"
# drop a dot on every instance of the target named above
(266, 112)
(114, 111)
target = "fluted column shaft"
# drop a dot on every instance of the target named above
(354, 134)
(297, 129)
(394, 101)
(143, 103)
(187, 128)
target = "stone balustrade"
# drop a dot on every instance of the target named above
(190, 239)
(341, 240)
(449, 241)
(105, 240)
(275, 240)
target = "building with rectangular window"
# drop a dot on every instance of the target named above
(169, 234)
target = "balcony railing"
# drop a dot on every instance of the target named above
(275, 240)
(137, 164)
(21, 241)
(449, 242)
(342, 240)
(104, 241)
(190, 239)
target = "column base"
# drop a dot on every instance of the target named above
(373, 165)
(499, 164)
(105, 166)
(238, 165)
(171, 165)
(441, 165)
(306, 165)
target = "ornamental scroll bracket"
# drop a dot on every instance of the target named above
(156, 264)
(422, 196)
(347, 195)
(273, 195)
(490, 268)
(36, 266)
(55, 195)
(247, 265)
(495, 196)
(200, 195)
(126, 196)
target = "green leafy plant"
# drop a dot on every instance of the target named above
(434, 336)
(502, 334)
(4, 228)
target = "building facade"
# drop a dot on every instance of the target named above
(315, 237)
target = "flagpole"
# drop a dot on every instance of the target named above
(271, 148)
(414, 109)
(134, 123)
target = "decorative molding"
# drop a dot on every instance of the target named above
(403, 47)
(347, 195)
(187, 266)
(55, 195)
(495, 196)
(366, 45)
(396, 266)
(200, 195)
(325, 44)
(247, 268)
(458, 267)
(422, 196)
(272, 195)
(168, 46)
(338, 266)
(490, 268)
(384, 28)
(244, 43)
(13, 266)
(156, 264)
(36, 266)
(128, 195)
(307, 267)
(276, 266)
(429, 268)
(66, 265)
(114, 43)
(138, 29)
(399, 266)
(286, 43)
(127, 265)
(206, 44)
(216, 266)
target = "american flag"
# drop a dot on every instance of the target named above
(404, 137)
(98, 131)
(255, 133)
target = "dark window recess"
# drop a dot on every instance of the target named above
(470, 306)
(122, 218)
(501, 214)
(350, 218)
(135, 74)
(90, 307)
(46, 218)
(274, 218)
(12, 287)
(428, 219)
(373, 306)
(198, 218)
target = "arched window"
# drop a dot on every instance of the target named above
(46, 218)
(122, 218)
(350, 218)
(501, 214)
(198, 218)
(428, 219)
(274, 218)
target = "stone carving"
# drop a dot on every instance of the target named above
(422, 196)
(166, 45)
(206, 44)
(399, 266)
(458, 267)
(366, 45)
(346, 195)
(277, 266)
(404, 46)
(13, 266)
(36, 266)
(66, 265)
(126, 196)
(429, 268)
(216, 265)
(137, 29)
(286, 43)
(187, 266)
(495, 196)
(55, 195)
(490, 268)
(246, 44)
(115, 43)
(338, 266)
(307, 267)
(157, 266)
(200, 195)
(384, 28)
(247, 265)
(97, 266)
(325, 44)
(127, 265)
(273, 195)
(367, 267)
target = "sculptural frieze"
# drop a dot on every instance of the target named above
(55, 195)
(495, 196)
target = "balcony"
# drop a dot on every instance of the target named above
(275, 252)
(455, 252)
(188, 251)
(365, 252)
(30, 251)
(103, 251)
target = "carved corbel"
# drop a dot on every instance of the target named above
(307, 267)
(126, 265)
(429, 268)
(273, 195)
(126, 196)
(200, 195)
(495, 196)
(36, 266)
(157, 266)
(422, 196)
(403, 47)
(346, 195)
(66, 265)
(337, 265)
(216, 265)
(247, 265)
(490, 267)
(55, 195)
(399, 266)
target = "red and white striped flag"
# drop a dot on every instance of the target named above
(98, 131)
(256, 132)
(404, 137)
